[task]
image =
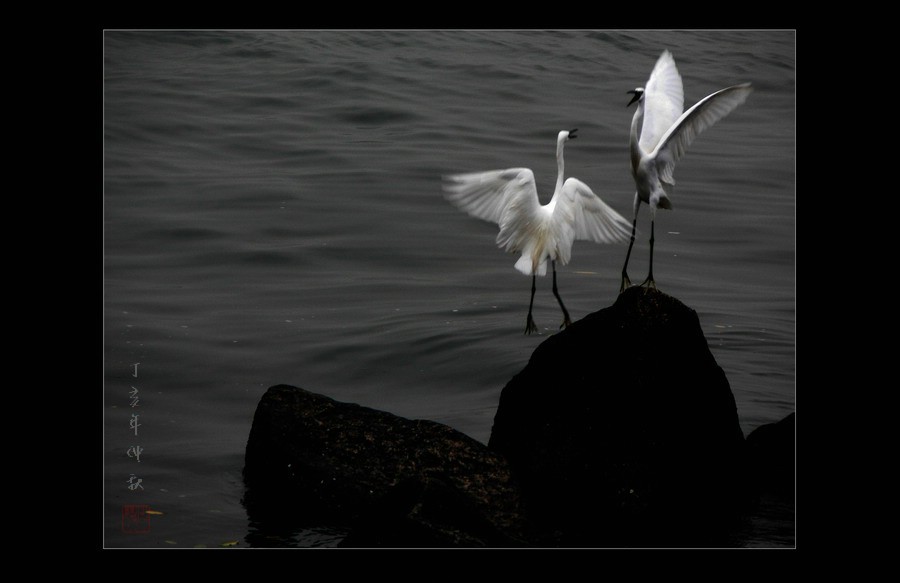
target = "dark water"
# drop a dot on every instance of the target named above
(273, 214)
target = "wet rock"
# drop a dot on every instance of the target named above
(426, 512)
(622, 430)
(390, 481)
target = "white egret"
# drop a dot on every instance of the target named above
(660, 135)
(540, 232)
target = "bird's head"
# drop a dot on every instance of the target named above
(567, 135)
(638, 93)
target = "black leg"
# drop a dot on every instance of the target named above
(649, 283)
(529, 323)
(566, 320)
(626, 283)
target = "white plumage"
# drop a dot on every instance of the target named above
(661, 134)
(539, 232)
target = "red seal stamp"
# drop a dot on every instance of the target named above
(135, 519)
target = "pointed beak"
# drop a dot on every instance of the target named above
(635, 98)
(572, 135)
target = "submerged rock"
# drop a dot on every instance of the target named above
(623, 431)
(771, 453)
(427, 512)
(392, 481)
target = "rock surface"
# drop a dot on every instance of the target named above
(623, 431)
(392, 481)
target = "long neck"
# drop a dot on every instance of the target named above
(637, 122)
(560, 165)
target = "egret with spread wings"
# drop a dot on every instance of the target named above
(660, 135)
(541, 233)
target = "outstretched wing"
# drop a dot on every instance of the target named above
(485, 195)
(663, 101)
(703, 114)
(581, 214)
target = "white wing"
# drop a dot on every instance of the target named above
(485, 195)
(521, 220)
(663, 101)
(706, 112)
(581, 214)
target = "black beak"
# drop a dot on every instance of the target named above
(572, 135)
(637, 95)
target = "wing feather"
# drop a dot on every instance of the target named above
(485, 195)
(506, 197)
(580, 214)
(663, 101)
(673, 145)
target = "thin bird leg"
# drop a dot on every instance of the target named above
(566, 320)
(649, 283)
(626, 282)
(529, 324)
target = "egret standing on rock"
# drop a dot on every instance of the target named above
(540, 232)
(660, 135)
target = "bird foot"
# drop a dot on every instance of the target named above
(649, 283)
(626, 283)
(566, 323)
(530, 326)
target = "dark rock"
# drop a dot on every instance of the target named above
(392, 481)
(426, 512)
(771, 453)
(771, 474)
(622, 430)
